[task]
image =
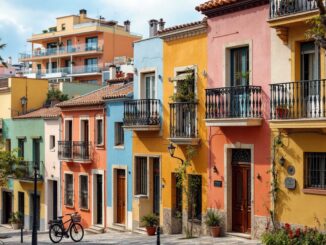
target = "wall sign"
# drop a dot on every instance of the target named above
(290, 183)
(291, 170)
(217, 183)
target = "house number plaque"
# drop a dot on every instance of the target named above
(290, 183)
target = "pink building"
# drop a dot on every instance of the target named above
(237, 110)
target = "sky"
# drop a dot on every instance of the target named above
(19, 19)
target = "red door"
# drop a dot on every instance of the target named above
(241, 197)
(121, 196)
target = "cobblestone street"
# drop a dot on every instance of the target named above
(113, 237)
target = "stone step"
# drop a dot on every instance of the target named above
(140, 231)
(117, 227)
(94, 229)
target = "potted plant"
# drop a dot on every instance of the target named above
(282, 111)
(150, 221)
(15, 220)
(213, 221)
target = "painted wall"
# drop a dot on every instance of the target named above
(190, 51)
(227, 31)
(77, 89)
(98, 164)
(118, 157)
(148, 57)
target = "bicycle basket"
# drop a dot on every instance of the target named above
(76, 218)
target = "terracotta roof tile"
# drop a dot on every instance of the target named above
(121, 92)
(51, 112)
(183, 26)
(95, 97)
(214, 4)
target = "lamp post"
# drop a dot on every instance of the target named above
(171, 149)
(34, 233)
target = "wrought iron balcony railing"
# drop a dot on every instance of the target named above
(143, 112)
(234, 102)
(25, 171)
(183, 120)
(279, 8)
(74, 150)
(298, 100)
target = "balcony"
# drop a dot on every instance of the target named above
(75, 151)
(25, 172)
(234, 106)
(183, 123)
(41, 53)
(298, 104)
(142, 115)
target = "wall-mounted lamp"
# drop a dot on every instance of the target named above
(23, 102)
(135, 70)
(282, 161)
(215, 170)
(171, 149)
(160, 76)
(205, 74)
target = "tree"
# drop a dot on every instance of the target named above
(318, 25)
(2, 46)
(56, 94)
(10, 165)
(188, 186)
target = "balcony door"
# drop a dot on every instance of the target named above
(36, 151)
(310, 75)
(91, 65)
(239, 75)
(91, 43)
(84, 138)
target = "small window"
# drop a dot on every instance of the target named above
(21, 148)
(141, 176)
(69, 190)
(194, 199)
(118, 134)
(83, 191)
(63, 26)
(99, 132)
(315, 170)
(52, 142)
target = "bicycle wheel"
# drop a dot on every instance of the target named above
(76, 232)
(55, 233)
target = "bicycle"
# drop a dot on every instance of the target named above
(75, 229)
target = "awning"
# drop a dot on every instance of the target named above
(182, 76)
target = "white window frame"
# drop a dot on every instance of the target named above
(180, 69)
(84, 118)
(73, 189)
(115, 135)
(52, 146)
(141, 80)
(98, 118)
(79, 190)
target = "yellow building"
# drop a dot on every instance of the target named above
(298, 111)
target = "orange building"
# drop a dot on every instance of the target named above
(79, 48)
(83, 155)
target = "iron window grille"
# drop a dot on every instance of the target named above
(141, 176)
(315, 170)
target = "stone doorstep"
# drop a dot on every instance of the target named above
(238, 234)
(116, 227)
(95, 229)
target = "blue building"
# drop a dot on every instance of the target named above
(119, 159)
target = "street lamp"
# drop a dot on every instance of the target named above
(171, 149)
(23, 101)
(34, 233)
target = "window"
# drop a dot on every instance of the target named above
(63, 26)
(69, 190)
(239, 66)
(315, 170)
(99, 132)
(91, 65)
(176, 195)
(83, 191)
(21, 148)
(148, 86)
(194, 201)
(8, 145)
(68, 130)
(185, 86)
(118, 134)
(52, 142)
(141, 176)
(36, 151)
(91, 43)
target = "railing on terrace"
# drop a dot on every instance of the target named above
(279, 8)
(67, 70)
(183, 120)
(62, 50)
(142, 112)
(26, 170)
(74, 150)
(234, 102)
(298, 100)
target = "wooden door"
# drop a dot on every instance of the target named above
(121, 196)
(241, 198)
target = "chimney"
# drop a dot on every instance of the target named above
(153, 28)
(83, 13)
(127, 25)
(161, 24)
(113, 72)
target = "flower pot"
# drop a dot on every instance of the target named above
(281, 112)
(15, 226)
(151, 230)
(215, 231)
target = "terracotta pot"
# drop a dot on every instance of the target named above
(281, 112)
(215, 231)
(151, 230)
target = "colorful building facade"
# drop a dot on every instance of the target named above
(297, 116)
(237, 113)
(79, 48)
